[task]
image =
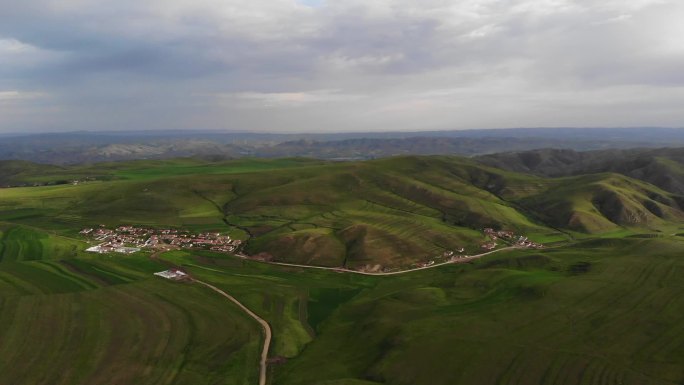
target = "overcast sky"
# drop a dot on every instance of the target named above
(339, 65)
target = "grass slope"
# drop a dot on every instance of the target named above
(605, 308)
(663, 167)
(604, 202)
(602, 311)
(101, 320)
(384, 213)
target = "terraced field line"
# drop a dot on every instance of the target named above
(339, 269)
(267, 329)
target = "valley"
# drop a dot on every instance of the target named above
(318, 192)
(337, 261)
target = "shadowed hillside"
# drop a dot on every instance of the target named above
(604, 202)
(20, 173)
(661, 167)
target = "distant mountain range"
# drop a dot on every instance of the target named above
(89, 147)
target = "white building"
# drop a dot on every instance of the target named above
(173, 274)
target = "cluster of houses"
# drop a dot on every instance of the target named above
(507, 237)
(129, 239)
(510, 238)
(455, 255)
(524, 242)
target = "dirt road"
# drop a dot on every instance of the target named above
(339, 269)
(264, 325)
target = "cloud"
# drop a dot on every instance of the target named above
(615, 19)
(19, 58)
(6, 96)
(340, 65)
(287, 99)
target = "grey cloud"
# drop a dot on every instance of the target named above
(339, 65)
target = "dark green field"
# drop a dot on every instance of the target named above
(602, 304)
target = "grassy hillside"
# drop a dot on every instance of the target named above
(390, 212)
(71, 318)
(602, 307)
(661, 167)
(384, 213)
(19, 172)
(21, 243)
(587, 316)
(598, 311)
(605, 202)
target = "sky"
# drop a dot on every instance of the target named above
(339, 65)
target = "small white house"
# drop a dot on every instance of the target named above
(173, 274)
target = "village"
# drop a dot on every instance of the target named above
(130, 239)
(495, 237)
(509, 238)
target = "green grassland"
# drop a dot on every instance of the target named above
(597, 311)
(389, 212)
(601, 305)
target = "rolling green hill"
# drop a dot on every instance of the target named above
(601, 304)
(20, 173)
(605, 202)
(662, 167)
(599, 311)
(386, 213)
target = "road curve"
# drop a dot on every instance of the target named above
(267, 329)
(339, 269)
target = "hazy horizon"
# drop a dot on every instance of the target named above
(316, 66)
(295, 133)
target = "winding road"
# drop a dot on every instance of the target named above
(343, 270)
(268, 335)
(267, 329)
